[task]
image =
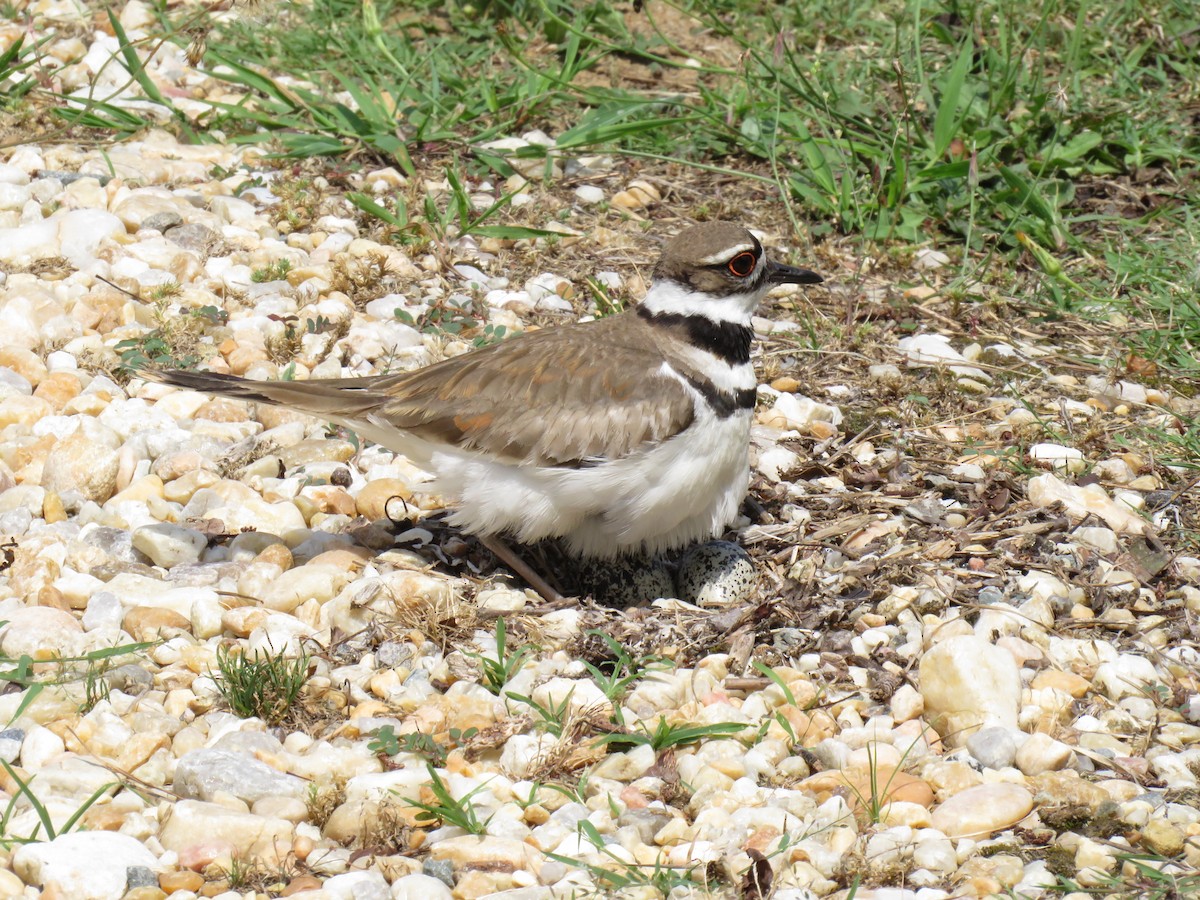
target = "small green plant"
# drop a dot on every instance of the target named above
(88, 668)
(606, 304)
(266, 685)
(44, 830)
(615, 676)
(173, 342)
(165, 291)
(619, 874)
(14, 60)
(551, 717)
(666, 735)
(385, 742)
(491, 334)
(445, 810)
(275, 271)
(499, 670)
(1144, 878)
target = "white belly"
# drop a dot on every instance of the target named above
(683, 490)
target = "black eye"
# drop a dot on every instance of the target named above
(743, 264)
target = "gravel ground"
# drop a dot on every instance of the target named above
(966, 665)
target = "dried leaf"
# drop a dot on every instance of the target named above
(756, 880)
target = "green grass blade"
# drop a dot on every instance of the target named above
(947, 121)
(134, 63)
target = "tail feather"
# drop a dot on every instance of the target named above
(336, 398)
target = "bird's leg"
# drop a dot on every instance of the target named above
(505, 554)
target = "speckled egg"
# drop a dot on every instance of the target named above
(718, 573)
(626, 581)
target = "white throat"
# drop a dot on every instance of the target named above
(672, 297)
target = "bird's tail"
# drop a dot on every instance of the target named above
(337, 399)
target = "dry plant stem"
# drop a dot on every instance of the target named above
(505, 554)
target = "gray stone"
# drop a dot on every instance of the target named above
(441, 869)
(197, 238)
(131, 679)
(202, 774)
(994, 748)
(161, 221)
(10, 744)
(140, 876)
(390, 654)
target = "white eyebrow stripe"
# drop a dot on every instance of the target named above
(725, 255)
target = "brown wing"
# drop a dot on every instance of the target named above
(525, 401)
(522, 400)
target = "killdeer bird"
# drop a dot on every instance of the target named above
(622, 435)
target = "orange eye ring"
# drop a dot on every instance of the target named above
(742, 264)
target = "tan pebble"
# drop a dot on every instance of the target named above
(144, 893)
(787, 384)
(646, 190)
(213, 888)
(761, 839)
(384, 683)
(145, 488)
(58, 388)
(809, 728)
(102, 818)
(223, 410)
(1135, 461)
(1162, 838)
(983, 886)
(1096, 403)
(822, 431)
(49, 595)
(296, 277)
(52, 508)
(312, 450)
(22, 409)
(86, 405)
(136, 752)
(920, 292)
(180, 881)
(888, 785)
(979, 811)
(302, 846)
(369, 709)
(630, 200)
(1145, 483)
(171, 466)
(344, 558)
(1079, 612)
(330, 498)
(24, 362)
(181, 489)
(383, 497)
(1073, 684)
(478, 883)
(241, 621)
(1157, 398)
(51, 890)
(146, 623)
(79, 463)
(301, 884)
(278, 555)
(241, 358)
(273, 416)
(536, 814)
(10, 884)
